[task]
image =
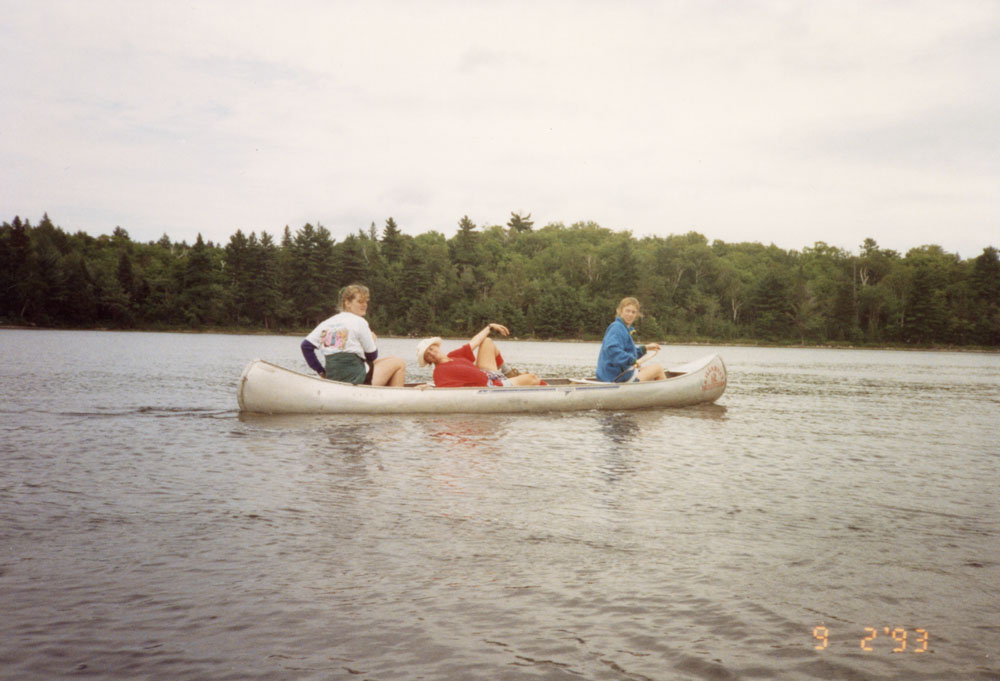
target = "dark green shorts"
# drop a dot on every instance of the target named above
(346, 367)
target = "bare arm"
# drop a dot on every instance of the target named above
(478, 339)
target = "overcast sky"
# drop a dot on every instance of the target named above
(782, 122)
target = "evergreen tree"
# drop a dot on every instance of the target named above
(316, 276)
(266, 280)
(519, 223)
(200, 293)
(392, 246)
(78, 303)
(15, 264)
(353, 262)
(239, 268)
(46, 286)
(287, 279)
(463, 245)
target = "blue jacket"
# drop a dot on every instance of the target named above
(618, 353)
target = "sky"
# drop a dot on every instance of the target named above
(786, 122)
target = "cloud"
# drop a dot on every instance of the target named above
(751, 121)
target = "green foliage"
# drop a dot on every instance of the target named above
(553, 282)
(984, 283)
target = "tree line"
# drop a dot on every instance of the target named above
(553, 282)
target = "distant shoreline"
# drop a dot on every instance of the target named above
(667, 341)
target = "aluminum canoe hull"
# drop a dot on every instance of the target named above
(267, 388)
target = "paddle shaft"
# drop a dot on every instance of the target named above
(636, 365)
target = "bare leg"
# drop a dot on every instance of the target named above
(486, 357)
(651, 372)
(389, 371)
(525, 379)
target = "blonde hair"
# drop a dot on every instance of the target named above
(352, 291)
(628, 301)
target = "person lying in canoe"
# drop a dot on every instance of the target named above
(619, 356)
(462, 367)
(347, 343)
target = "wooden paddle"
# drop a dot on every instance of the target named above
(636, 365)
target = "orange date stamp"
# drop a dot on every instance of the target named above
(885, 639)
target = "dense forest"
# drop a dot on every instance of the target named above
(552, 282)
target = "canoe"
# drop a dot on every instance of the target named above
(270, 389)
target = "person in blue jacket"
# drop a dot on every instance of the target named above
(619, 352)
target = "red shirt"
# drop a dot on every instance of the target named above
(461, 371)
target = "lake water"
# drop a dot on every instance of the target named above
(834, 507)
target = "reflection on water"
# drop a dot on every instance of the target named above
(151, 531)
(473, 433)
(619, 428)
